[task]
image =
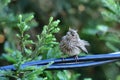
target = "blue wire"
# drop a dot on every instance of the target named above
(81, 65)
(80, 58)
(82, 61)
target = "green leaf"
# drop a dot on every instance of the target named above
(6, 73)
(29, 18)
(47, 39)
(28, 51)
(49, 54)
(61, 76)
(48, 74)
(45, 28)
(50, 20)
(55, 23)
(102, 28)
(20, 18)
(7, 47)
(26, 36)
(26, 27)
(38, 70)
(26, 42)
(18, 35)
(9, 58)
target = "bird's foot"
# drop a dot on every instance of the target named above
(76, 58)
(63, 59)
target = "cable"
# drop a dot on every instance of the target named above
(82, 61)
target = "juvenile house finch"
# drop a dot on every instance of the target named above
(72, 45)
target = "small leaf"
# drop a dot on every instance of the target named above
(56, 30)
(26, 36)
(50, 20)
(9, 58)
(20, 18)
(55, 23)
(102, 28)
(38, 37)
(61, 76)
(28, 51)
(29, 18)
(39, 70)
(49, 53)
(54, 42)
(26, 42)
(26, 27)
(18, 35)
(45, 28)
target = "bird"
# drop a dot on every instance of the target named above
(72, 45)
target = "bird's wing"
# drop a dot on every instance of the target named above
(83, 48)
(81, 44)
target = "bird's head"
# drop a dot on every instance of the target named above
(72, 34)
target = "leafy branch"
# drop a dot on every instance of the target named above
(46, 40)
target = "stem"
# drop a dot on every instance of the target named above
(22, 44)
(35, 52)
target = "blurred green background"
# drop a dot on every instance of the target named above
(97, 21)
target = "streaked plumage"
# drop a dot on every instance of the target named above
(71, 44)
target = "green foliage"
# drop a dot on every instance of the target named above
(46, 40)
(62, 75)
(22, 55)
(106, 32)
(111, 36)
(35, 73)
(113, 12)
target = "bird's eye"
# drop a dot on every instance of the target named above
(72, 33)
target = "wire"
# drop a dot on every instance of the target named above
(70, 62)
(81, 65)
(99, 57)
